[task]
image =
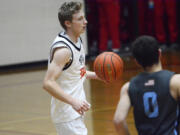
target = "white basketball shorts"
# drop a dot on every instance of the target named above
(75, 127)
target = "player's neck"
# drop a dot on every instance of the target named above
(72, 36)
(154, 68)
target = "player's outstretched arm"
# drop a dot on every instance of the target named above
(122, 111)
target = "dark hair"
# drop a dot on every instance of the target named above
(145, 50)
(67, 10)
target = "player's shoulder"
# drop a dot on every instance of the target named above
(175, 79)
(60, 45)
(125, 87)
(61, 56)
(61, 38)
(62, 52)
(175, 86)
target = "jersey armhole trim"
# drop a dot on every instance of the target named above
(71, 42)
(68, 64)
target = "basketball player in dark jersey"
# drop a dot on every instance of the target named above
(153, 94)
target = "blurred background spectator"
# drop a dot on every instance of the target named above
(114, 24)
(92, 27)
(146, 17)
(166, 22)
(109, 18)
(127, 24)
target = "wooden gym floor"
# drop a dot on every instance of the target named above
(25, 106)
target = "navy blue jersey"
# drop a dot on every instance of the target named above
(155, 110)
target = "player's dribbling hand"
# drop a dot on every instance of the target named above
(102, 80)
(80, 106)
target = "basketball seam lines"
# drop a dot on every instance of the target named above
(96, 67)
(113, 66)
(117, 58)
(103, 66)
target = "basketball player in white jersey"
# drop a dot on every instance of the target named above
(66, 72)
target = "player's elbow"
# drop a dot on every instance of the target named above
(118, 121)
(46, 85)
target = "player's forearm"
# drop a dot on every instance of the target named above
(91, 75)
(54, 89)
(121, 128)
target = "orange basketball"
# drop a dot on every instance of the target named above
(108, 66)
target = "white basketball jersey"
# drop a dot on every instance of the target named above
(71, 79)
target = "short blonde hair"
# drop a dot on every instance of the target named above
(67, 10)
